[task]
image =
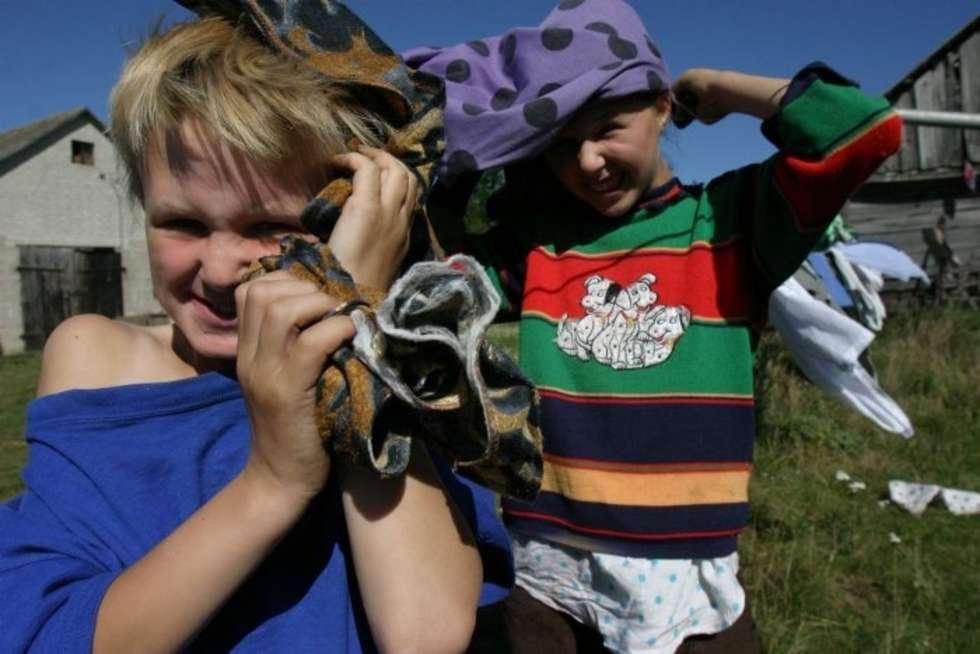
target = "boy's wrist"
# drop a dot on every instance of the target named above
(265, 497)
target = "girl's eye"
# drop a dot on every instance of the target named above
(564, 148)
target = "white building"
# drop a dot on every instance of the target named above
(70, 240)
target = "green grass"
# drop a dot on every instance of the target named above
(19, 379)
(821, 572)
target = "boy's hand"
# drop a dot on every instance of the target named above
(372, 234)
(283, 347)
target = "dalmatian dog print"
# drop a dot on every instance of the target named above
(623, 327)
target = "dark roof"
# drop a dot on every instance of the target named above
(926, 64)
(21, 143)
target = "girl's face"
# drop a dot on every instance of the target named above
(608, 156)
(210, 213)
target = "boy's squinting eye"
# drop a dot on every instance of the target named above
(187, 226)
(274, 230)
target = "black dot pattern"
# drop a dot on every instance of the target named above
(471, 109)
(508, 46)
(480, 48)
(653, 48)
(654, 82)
(503, 99)
(622, 48)
(548, 88)
(460, 162)
(458, 71)
(611, 66)
(541, 113)
(557, 38)
(566, 5)
(602, 28)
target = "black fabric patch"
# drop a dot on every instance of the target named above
(473, 109)
(622, 48)
(654, 82)
(480, 48)
(458, 71)
(541, 113)
(613, 66)
(602, 28)
(557, 38)
(460, 162)
(548, 88)
(653, 48)
(502, 99)
(565, 5)
(508, 47)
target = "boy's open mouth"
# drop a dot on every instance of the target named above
(221, 310)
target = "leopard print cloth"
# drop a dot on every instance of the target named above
(419, 365)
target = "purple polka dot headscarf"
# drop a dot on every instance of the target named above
(507, 96)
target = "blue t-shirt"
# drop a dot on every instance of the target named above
(113, 471)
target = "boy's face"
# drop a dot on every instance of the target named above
(608, 156)
(210, 213)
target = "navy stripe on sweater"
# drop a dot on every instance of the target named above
(658, 532)
(649, 433)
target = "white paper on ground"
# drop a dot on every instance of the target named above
(916, 497)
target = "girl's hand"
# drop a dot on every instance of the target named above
(709, 95)
(372, 234)
(696, 96)
(283, 347)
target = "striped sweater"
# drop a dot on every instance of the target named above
(640, 331)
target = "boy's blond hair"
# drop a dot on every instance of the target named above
(271, 108)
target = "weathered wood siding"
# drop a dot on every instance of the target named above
(949, 80)
(59, 282)
(901, 224)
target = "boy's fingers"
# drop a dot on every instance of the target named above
(318, 341)
(251, 300)
(287, 317)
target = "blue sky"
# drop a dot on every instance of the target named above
(58, 54)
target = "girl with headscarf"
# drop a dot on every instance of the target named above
(640, 301)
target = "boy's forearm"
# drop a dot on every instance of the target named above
(418, 571)
(166, 597)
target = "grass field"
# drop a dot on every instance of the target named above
(822, 573)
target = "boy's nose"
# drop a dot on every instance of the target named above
(225, 260)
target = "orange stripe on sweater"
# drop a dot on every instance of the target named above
(646, 488)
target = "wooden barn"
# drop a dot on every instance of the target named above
(70, 242)
(924, 198)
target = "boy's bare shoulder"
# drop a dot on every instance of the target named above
(92, 351)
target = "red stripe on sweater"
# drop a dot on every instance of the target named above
(711, 281)
(621, 534)
(818, 189)
(649, 399)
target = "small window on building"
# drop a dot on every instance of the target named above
(83, 152)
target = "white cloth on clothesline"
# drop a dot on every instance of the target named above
(886, 259)
(826, 345)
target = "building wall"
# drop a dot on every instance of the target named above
(901, 224)
(48, 200)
